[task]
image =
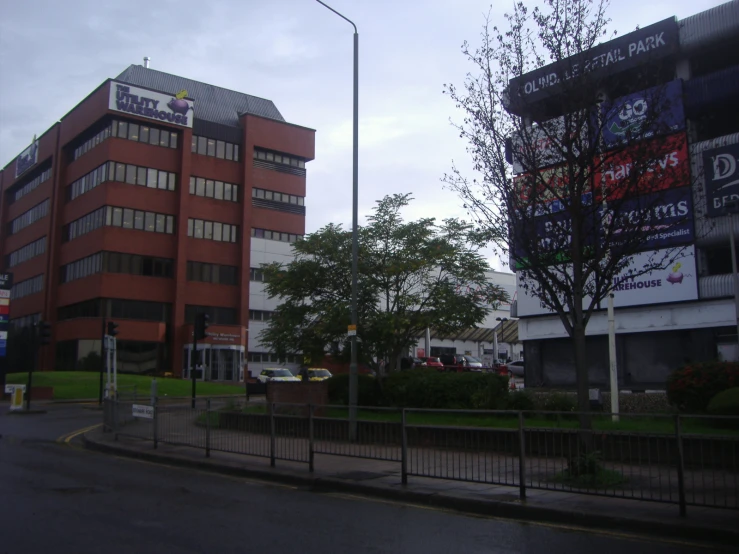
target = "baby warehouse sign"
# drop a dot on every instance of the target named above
(166, 108)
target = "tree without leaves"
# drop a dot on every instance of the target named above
(412, 275)
(579, 208)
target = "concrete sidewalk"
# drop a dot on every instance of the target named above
(383, 479)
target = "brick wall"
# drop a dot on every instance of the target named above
(315, 394)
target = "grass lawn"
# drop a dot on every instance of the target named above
(75, 385)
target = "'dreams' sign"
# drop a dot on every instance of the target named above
(154, 105)
(721, 169)
(26, 159)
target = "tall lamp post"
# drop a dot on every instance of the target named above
(731, 208)
(355, 246)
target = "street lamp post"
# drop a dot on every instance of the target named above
(730, 209)
(355, 245)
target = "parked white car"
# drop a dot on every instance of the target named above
(272, 374)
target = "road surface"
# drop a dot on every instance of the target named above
(59, 497)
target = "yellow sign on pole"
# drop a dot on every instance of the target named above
(352, 330)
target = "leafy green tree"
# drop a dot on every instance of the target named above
(412, 275)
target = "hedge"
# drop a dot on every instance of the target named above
(692, 387)
(725, 403)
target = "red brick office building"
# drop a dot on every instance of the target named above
(140, 205)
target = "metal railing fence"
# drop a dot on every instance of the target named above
(685, 460)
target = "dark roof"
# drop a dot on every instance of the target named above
(212, 103)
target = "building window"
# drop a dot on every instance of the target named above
(277, 161)
(31, 250)
(27, 287)
(212, 273)
(212, 230)
(81, 268)
(130, 131)
(124, 173)
(39, 211)
(215, 148)
(269, 357)
(117, 262)
(261, 198)
(24, 321)
(274, 235)
(256, 274)
(120, 217)
(30, 185)
(210, 188)
(116, 308)
(260, 315)
(217, 315)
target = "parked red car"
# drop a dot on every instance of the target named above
(433, 362)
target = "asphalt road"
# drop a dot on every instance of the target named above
(58, 497)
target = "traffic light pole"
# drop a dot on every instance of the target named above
(36, 348)
(194, 358)
(102, 363)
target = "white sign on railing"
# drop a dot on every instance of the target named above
(144, 411)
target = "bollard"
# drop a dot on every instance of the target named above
(521, 458)
(403, 450)
(310, 437)
(207, 428)
(154, 424)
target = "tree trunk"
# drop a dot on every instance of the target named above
(581, 373)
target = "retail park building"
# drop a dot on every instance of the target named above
(659, 328)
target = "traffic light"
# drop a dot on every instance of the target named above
(44, 333)
(201, 324)
(112, 328)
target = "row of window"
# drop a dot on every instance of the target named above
(120, 217)
(24, 253)
(42, 177)
(117, 309)
(274, 235)
(256, 274)
(276, 157)
(213, 189)
(260, 315)
(212, 273)
(217, 315)
(117, 262)
(129, 131)
(268, 357)
(123, 173)
(278, 196)
(24, 321)
(216, 148)
(27, 287)
(39, 211)
(212, 230)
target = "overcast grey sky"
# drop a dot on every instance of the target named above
(297, 54)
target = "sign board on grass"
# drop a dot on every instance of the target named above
(143, 411)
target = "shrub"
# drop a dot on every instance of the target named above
(521, 400)
(692, 387)
(725, 403)
(424, 388)
(368, 393)
(556, 402)
(91, 362)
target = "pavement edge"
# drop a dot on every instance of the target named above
(483, 507)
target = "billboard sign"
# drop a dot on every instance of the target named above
(644, 45)
(545, 143)
(666, 217)
(153, 105)
(26, 159)
(678, 282)
(643, 115)
(667, 166)
(721, 173)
